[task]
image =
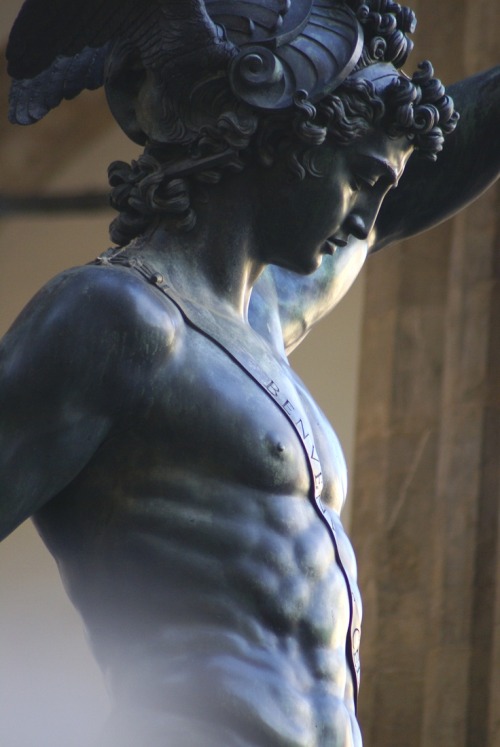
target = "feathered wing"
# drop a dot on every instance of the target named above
(58, 48)
(32, 98)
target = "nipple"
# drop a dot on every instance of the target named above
(275, 444)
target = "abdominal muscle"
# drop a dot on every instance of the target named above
(233, 614)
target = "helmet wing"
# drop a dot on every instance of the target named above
(56, 49)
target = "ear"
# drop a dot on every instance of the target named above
(139, 100)
(124, 81)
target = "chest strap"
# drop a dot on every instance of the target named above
(266, 373)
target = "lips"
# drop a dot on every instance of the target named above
(332, 244)
(336, 241)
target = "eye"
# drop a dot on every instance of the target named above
(369, 181)
(359, 181)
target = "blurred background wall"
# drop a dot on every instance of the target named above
(426, 494)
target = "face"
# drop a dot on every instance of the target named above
(323, 213)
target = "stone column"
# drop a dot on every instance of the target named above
(425, 502)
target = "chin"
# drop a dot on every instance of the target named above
(304, 267)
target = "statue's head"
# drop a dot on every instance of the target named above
(221, 84)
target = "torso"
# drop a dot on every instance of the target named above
(208, 584)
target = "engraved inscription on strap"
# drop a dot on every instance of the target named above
(304, 432)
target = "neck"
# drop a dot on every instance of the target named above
(215, 264)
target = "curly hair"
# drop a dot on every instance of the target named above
(165, 181)
(385, 28)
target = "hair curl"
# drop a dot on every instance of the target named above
(385, 27)
(159, 184)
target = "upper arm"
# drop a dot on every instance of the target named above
(287, 304)
(430, 192)
(67, 371)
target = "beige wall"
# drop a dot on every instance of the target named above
(426, 520)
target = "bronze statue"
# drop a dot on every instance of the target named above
(174, 465)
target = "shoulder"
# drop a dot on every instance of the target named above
(98, 301)
(89, 324)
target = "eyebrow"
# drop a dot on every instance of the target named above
(382, 165)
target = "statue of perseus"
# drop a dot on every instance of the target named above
(174, 465)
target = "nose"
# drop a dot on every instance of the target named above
(355, 225)
(361, 219)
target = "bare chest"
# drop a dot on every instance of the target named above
(203, 411)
